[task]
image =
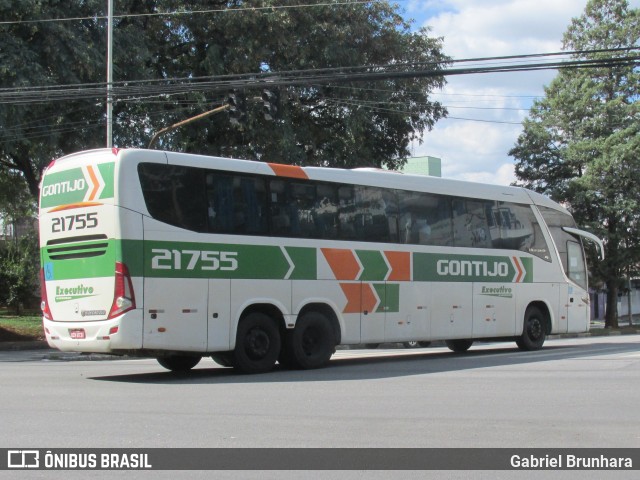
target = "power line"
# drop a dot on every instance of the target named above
(125, 90)
(189, 12)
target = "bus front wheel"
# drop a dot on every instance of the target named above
(312, 342)
(179, 363)
(534, 330)
(459, 346)
(257, 344)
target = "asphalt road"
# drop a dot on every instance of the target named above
(574, 393)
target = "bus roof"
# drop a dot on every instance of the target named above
(359, 176)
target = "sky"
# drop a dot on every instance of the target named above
(472, 142)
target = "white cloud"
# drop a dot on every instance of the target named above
(474, 150)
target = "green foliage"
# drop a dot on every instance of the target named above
(581, 143)
(359, 124)
(19, 269)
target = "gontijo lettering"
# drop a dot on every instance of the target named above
(63, 187)
(472, 268)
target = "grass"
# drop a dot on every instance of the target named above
(15, 328)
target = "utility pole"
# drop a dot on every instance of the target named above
(109, 73)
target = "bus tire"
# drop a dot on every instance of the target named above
(534, 330)
(459, 346)
(312, 342)
(224, 359)
(257, 344)
(179, 363)
(284, 359)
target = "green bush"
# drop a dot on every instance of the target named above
(19, 267)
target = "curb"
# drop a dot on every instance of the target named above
(32, 345)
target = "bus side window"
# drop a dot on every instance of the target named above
(325, 211)
(470, 223)
(347, 213)
(515, 227)
(236, 204)
(174, 195)
(250, 206)
(576, 269)
(220, 202)
(370, 219)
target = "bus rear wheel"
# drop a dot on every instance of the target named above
(179, 363)
(257, 344)
(534, 331)
(459, 346)
(312, 342)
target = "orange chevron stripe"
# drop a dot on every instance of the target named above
(343, 263)
(71, 206)
(360, 297)
(519, 268)
(94, 181)
(291, 171)
(369, 298)
(400, 263)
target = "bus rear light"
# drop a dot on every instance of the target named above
(123, 296)
(44, 304)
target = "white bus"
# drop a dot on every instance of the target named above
(180, 256)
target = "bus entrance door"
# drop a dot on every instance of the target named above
(576, 307)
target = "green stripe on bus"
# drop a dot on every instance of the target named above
(430, 267)
(305, 261)
(373, 264)
(71, 186)
(218, 260)
(156, 258)
(107, 172)
(93, 261)
(389, 294)
(62, 188)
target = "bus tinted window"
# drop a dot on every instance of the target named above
(236, 204)
(226, 202)
(471, 223)
(174, 195)
(367, 214)
(515, 227)
(425, 219)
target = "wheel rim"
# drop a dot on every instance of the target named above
(257, 343)
(535, 328)
(310, 340)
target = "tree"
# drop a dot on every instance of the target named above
(340, 124)
(581, 142)
(19, 268)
